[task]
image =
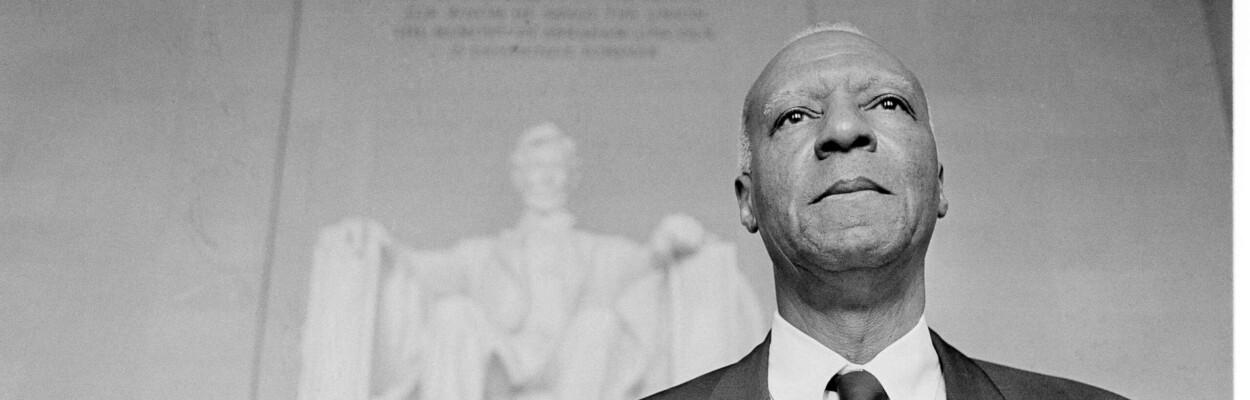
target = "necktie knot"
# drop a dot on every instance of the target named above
(857, 385)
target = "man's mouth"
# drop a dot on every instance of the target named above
(850, 186)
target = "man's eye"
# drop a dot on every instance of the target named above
(891, 103)
(793, 117)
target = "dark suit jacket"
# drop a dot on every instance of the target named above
(965, 378)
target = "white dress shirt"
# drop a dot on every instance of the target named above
(799, 367)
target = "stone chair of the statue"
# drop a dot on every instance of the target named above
(363, 339)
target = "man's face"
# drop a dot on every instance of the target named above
(844, 170)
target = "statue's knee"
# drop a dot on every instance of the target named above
(456, 312)
(595, 319)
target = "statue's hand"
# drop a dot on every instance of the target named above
(354, 239)
(677, 237)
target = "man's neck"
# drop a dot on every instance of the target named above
(857, 333)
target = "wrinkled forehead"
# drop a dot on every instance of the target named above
(832, 59)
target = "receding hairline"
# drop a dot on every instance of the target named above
(827, 27)
(744, 153)
(744, 137)
(819, 29)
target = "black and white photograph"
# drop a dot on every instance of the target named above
(616, 199)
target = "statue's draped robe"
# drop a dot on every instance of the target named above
(557, 313)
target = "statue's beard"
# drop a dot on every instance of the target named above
(545, 202)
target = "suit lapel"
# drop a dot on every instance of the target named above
(748, 378)
(964, 379)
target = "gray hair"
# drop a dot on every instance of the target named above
(744, 138)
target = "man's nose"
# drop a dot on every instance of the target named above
(845, 130)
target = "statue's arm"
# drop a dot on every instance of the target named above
(416, 283)
(363, 331)
(339, 322)
(412, 283)
(400, 310)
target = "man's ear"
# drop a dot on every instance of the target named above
(942, 203)
(746, 202)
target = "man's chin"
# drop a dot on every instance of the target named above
(855, 256)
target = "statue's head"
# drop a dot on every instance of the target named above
(542, 167)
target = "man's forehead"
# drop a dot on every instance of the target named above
(800, 69)
(832, 43)
(864, 61)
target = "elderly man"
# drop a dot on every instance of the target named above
(841, 179)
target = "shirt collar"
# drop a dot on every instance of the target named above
(799, 367)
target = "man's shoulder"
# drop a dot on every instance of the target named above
(695, 389)
(1015, 383)
(745, 379)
